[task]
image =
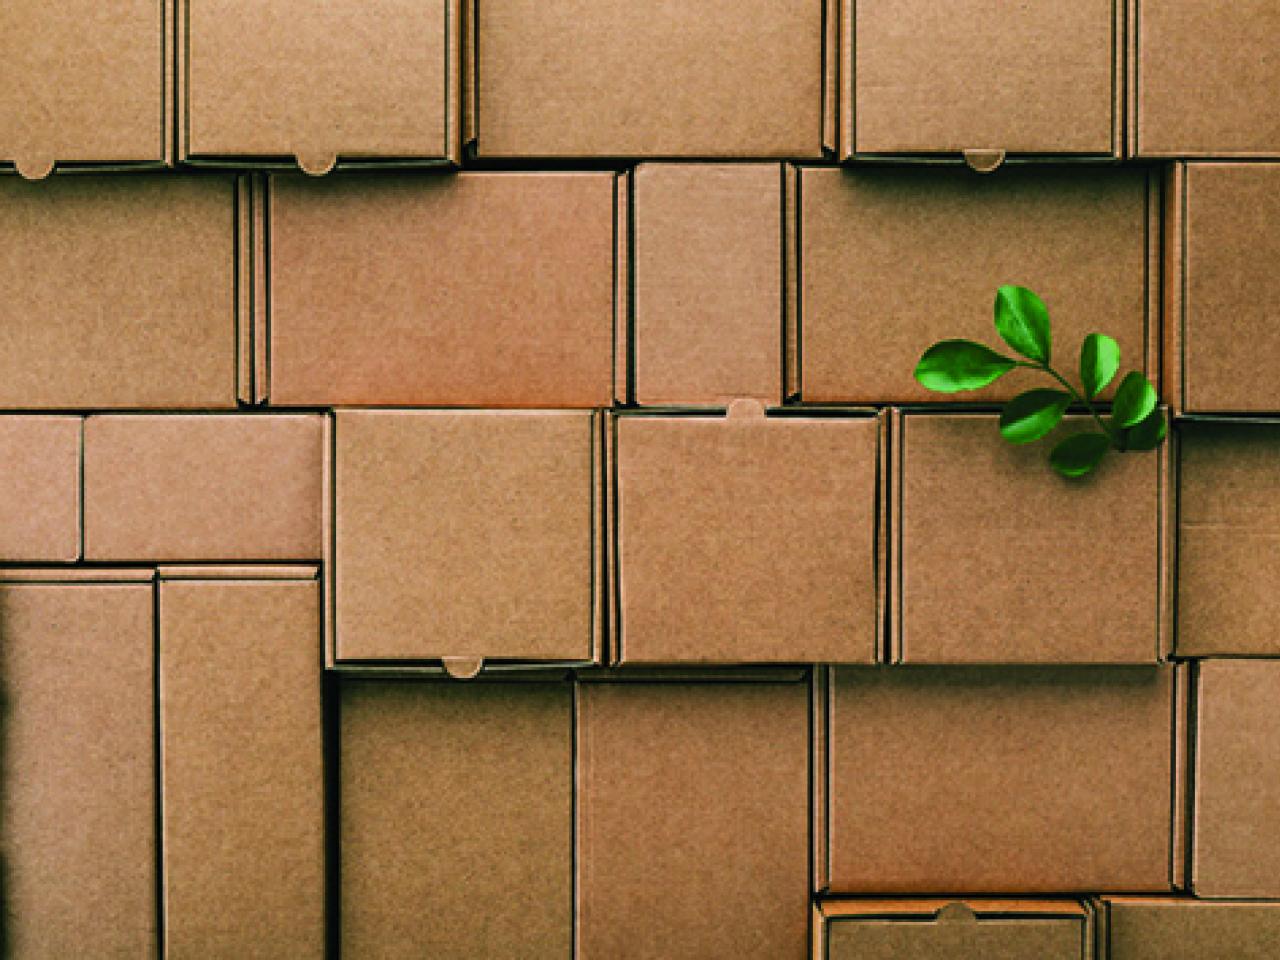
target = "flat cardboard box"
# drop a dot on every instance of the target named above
(996, 559)
(456, 819)
(1203, 77)
(612, 78)
(460, 537)
(118, 292)
(1147, 928)
(1236, 842)
(78, 789)
(693, 820)
(476, 289)
(983, 81)
(1222, 288)
(86, 85)
(989, 780)
(952, 930)
(346, 82)
(40, 488)
(243, 769)
(748, 538)
(707, 281)
(876, 287)
(212, 487)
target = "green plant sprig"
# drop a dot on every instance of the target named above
(1022, 320)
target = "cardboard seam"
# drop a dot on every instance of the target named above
(158, 756)
(1191, 742)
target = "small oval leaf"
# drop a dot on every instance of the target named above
(1029, 416)
(954, 365)
(1099, 361)
(1148, 434)
(1079, 453)
(1135, 399)
(1022, 320)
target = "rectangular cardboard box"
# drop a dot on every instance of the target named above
(983, 81)
(40, 488)
(243, 771)
(989, 780)
(476, 289)
(996, 559)
(748, 538)
(876, 287)
(1147, 928)
(86, 85)
(346, 82)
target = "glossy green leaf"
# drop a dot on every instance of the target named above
(1022, 320)
(954, 365)
(1029, 416)
(1135, 399)
(1099, 361)
(1148, 434)
(1079, 453)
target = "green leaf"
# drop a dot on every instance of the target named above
(1134, 401)
(954, 365)
(1022, 320)
(1079, 453)
(1029, 416)
(1148, 434)
(1099, 361)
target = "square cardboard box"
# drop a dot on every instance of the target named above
(1149, 928)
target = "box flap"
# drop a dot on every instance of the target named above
(1185, 929)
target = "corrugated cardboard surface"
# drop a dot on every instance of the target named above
(456, 820)
(39, 488)
(243, 775)
(1143, 929)
(378, 297)
(693, 829)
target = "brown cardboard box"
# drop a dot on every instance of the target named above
(85, 83)
(1138, 928)
(78, 751)
(693, 820)
(1222, 293)
(40, 488)
(202, 487)
(877, 287)
(118, 292)
(609, 78)
(347, 81)
(488, 289)
(456, 820)
(243, 771)
(466, 536)
(996, 779)
(981, 79)
(1203, 79)
(707, 276)
(999, 560)
(952, 930)
(1236, 844)
(748, 539)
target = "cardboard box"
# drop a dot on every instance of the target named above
(997, 559)
(203, 487)
(1138, 928)
(466, 537)
(1221, 296)
(981, 80)
(87, 85)
(1236, 843)
(243, 772)
(748, 538)
(487, 289)
(40, 488)
(877, 287)
(988, 780)
(118, 292)
(1203, 77)
(79, 791)
(952, 929)
(693, 820)
(456, 819)
(348, 82)
(611, 78)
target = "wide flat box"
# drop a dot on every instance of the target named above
(875, 287)
(1148, 928)
(1040, 780)
(40, 488)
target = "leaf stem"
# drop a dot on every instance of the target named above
(1077, 397)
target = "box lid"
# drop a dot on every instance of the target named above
(40, 488)
(1169, 929)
